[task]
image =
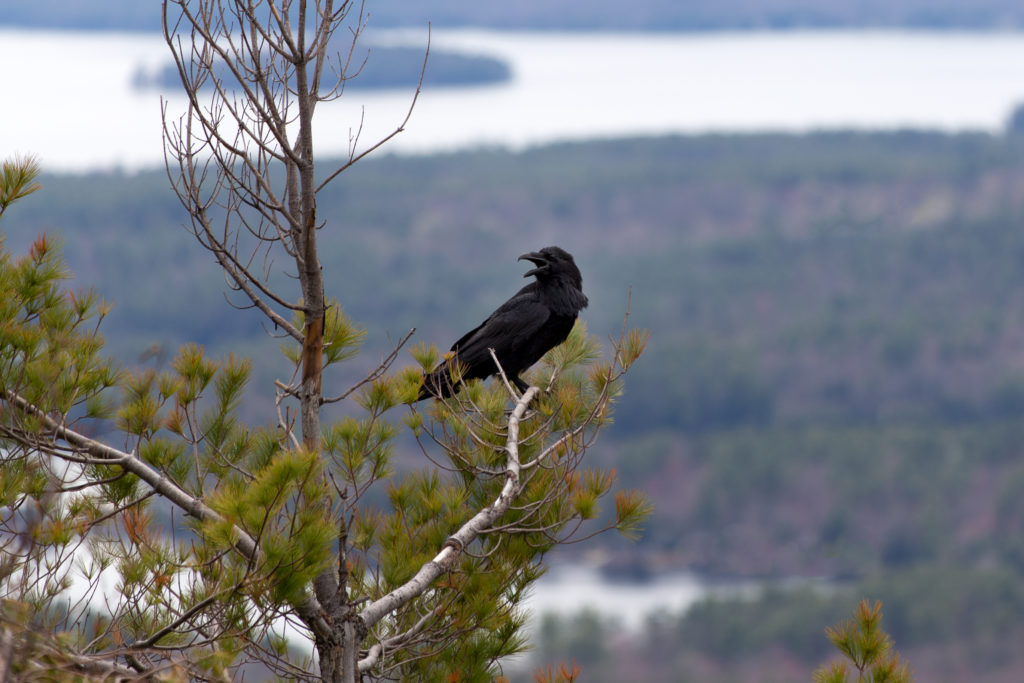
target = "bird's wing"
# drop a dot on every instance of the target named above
(509, 327)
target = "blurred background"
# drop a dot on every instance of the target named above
(818, 206)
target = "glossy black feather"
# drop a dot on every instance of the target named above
(536, 319)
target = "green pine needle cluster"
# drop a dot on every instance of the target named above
(342, 337)
(49, 343)
(17, 179)
(867, 647)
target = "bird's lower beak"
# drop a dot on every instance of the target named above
(536, 259)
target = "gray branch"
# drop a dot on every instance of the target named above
(482, 521)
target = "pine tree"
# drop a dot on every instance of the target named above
(863, 643)
(148, 530)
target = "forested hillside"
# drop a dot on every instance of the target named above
(798, 288)
(835, 382)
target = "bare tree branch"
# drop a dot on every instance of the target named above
(376, 373)
(354, 157)
(466, 534)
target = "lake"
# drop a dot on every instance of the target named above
(72, 103)
(568, 588)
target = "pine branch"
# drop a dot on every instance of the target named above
(245, 544)
(482, 521)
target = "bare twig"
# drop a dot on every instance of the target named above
(376, 373)
(501, 373)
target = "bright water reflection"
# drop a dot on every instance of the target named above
(71, 102)
(571, 588)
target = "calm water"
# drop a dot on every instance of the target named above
(570, 588)
(72, 103)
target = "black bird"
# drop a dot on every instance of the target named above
(538, 318)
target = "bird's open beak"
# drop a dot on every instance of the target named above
(537, 259)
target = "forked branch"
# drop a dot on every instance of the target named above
(482, 521)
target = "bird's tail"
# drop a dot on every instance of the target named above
(437, 384)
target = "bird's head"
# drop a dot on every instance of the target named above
(552, 262)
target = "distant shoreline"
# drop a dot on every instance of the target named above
(593, 15)
(390, 67)
(147, 28)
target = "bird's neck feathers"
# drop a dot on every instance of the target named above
(562, 294)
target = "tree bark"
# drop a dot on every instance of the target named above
(337, 654)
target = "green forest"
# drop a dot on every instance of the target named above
(834, 386)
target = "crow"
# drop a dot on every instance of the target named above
(538, 318)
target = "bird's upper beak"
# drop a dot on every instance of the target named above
(538, 259)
